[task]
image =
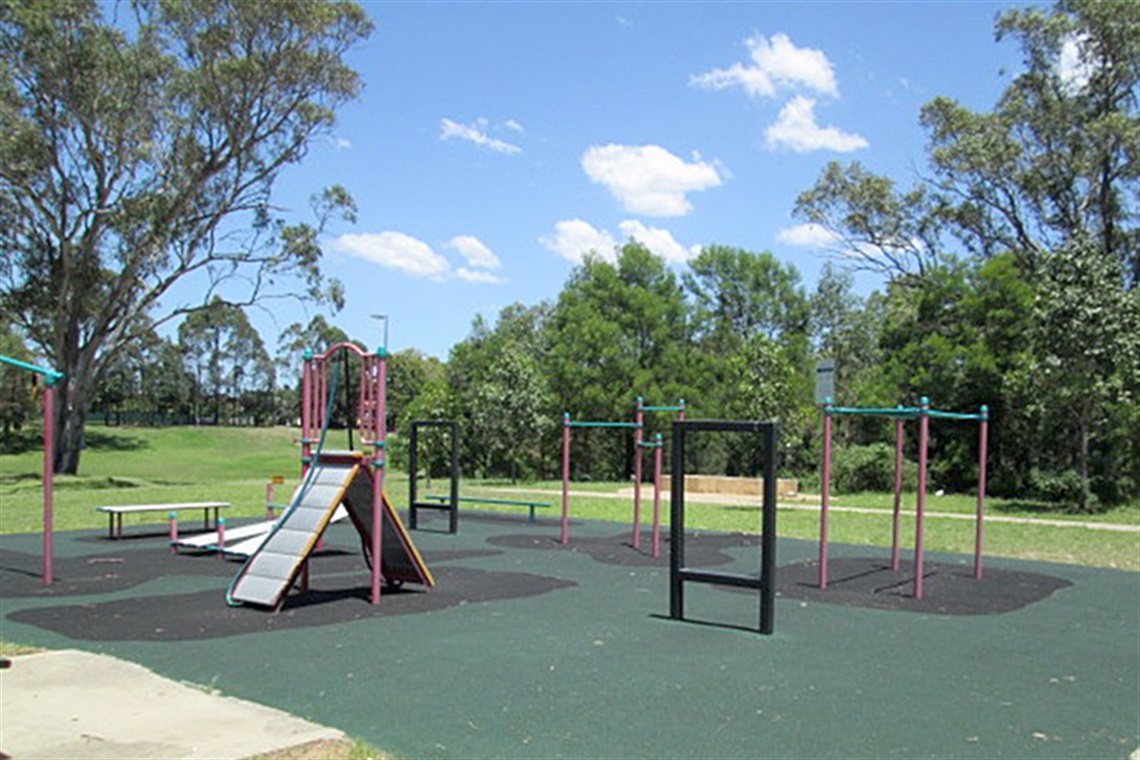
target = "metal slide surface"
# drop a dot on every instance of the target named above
(270, 572)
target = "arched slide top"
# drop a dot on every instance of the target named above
(352, 347)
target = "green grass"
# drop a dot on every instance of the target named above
(167, 465)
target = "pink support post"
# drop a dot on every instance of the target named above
(270, 494)
(173, 517)
(824, 494)
(221, 544)
(923, 444)
(982, 456)
(379, 467)
(899, 433)
(306, 415)
(638, 438)
(658, 457)
(49, 474)
(565, 536)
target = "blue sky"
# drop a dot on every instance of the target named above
(495, 142)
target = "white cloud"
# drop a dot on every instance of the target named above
(395, 250)
(776, 65)
(659, 241)
(514, 126)
(340, 143)
(1073, 67)
(473, 275)
(477, 254)
(796, 129)
(475, 133)
(808, 236)
(573, 238)
(647, 179)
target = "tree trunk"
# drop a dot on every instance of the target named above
(72, 399)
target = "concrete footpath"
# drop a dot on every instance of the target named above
(71, 704)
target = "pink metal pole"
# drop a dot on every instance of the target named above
(565, 537)
(923, 443)
(173, 517)
(983, 445)
(49, 483)
(658, 457)
(306, 415)
(638, 438)
(221, 544)
(899, 432)
(379, 467)
(824, 494)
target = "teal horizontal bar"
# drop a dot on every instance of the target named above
(51, 375)
(575, 423)
(663, 408)
(898, 411)
(957, 415)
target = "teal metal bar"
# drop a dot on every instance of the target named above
(51, 375)
(576, 423)
(662, 408)
(957, 415)
(898, 411)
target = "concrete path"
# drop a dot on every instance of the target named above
(746, 501)
(71, 704)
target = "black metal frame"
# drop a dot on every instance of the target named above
(678, 573)
(452, 505)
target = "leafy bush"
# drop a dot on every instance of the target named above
(863, 468)
(1058, 487)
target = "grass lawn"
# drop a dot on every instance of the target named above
(185, 464)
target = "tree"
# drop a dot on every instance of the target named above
(138, 156)
(618, 331)
(225, 356)
(498, 391)
(739, 294)
(1048, 178)
(149, 382)
(17, 400)
(409, 372)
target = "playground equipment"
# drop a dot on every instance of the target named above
(567, 425)
(331, 479)
(679, 574)
(450, 505)
(901, 414)
(51, 377)
(640, 445)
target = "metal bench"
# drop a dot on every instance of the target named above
(531, 505)
(115, 513)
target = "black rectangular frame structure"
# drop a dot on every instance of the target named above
(452, 505)
(679, 574)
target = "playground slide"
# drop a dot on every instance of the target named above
(209, 541)
(254, 541)
(270, 572)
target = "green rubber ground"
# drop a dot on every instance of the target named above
(586, 665)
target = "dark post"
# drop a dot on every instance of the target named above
(413, 480)
(764, 582)
(768, 537)
(677, 524)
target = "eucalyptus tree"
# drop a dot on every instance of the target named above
(1048, 177)
(228, 361)
(140, 154)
